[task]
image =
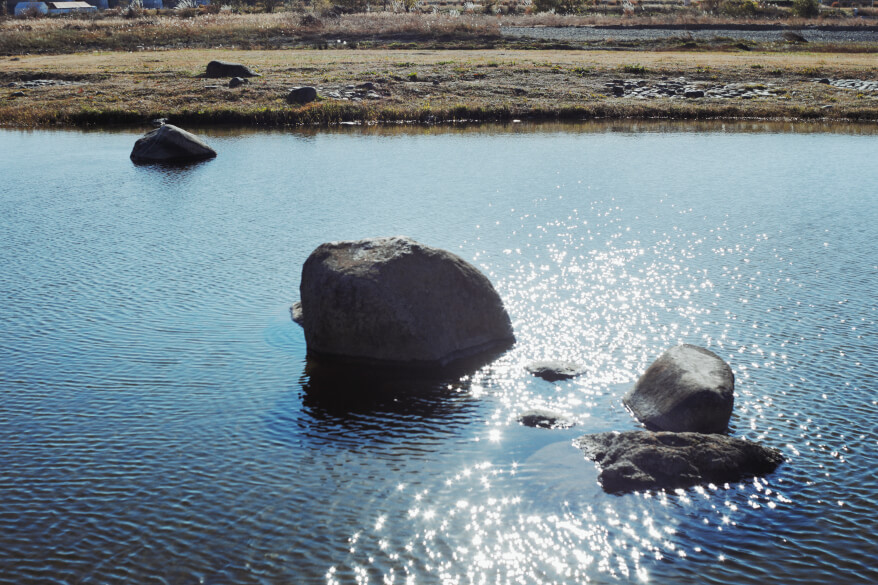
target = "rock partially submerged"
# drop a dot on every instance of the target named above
(396, 301)
(643, 460)
(554, 371)
(169, 144)
(688, 388)
(225, 69)
(545, 419)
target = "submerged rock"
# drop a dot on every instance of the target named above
(224, 69)
(167, 143)
(302, 95)
(688, 388)
(394, 300)
(545, 419)
(553, 370)
(643, 460)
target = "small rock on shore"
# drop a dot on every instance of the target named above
(225, 69)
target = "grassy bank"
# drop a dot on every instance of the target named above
(94, 89)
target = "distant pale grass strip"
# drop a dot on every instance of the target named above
(149, 29)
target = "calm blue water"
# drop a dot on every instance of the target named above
(158, 423)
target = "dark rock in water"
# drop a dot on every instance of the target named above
(224, 69)
(793, 37)
(554, 370)
(693, 93)
(168, 143)
(687, 388)
(395, 301)
(545, 419)
(237, 81)
(366, 86)
(302, 95)
(824, 81)
(642, 460)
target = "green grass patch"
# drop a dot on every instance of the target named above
(634, 69)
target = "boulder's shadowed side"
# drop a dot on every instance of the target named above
(169, 144)
(395, 301)
(643, 460)
(687, 389)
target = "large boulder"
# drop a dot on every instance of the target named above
(643, 460)
(224, 69)
(170, 144)
(687, 388)
(395, 301)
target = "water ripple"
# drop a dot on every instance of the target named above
(162, 424)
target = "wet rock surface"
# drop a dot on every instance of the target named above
(553, 370)
(688, 388)
(398, 302)
(545, 419)
(642, 460)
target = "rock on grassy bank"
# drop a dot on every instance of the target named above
(433, 86)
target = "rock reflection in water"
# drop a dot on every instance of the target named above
(344, 402)
(340, 390)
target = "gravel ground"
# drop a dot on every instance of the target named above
(597, 34)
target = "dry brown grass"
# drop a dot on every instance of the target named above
(289, 29)
(132, 88)
(275, 30)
